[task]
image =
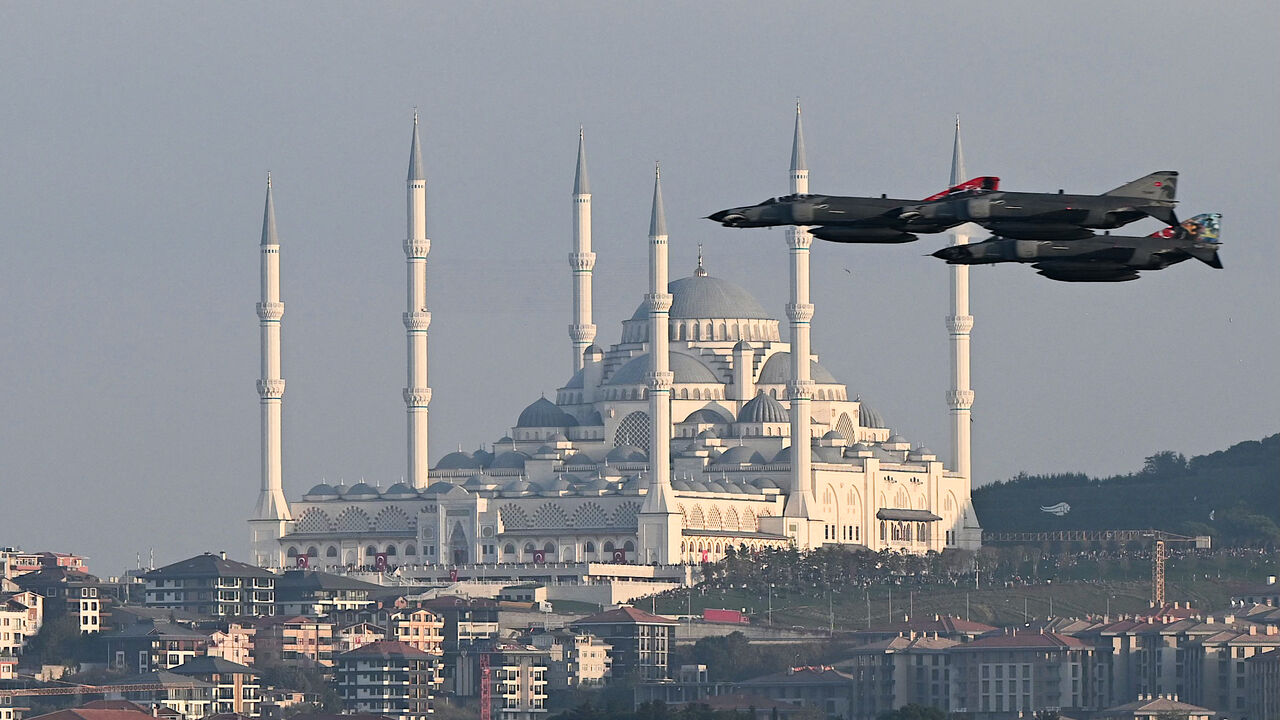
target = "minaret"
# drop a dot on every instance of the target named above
(417, 395)
(581, 261)
(660, 378)
(800, 312)
(272, 514)
(959, 324)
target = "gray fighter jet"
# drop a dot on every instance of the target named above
(851, 219)
(1050, 216)
(1100, 258)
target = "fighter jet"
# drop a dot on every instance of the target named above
(1050, 216)
(850, 219)
(1101, 258)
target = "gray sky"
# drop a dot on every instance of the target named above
(136, 138)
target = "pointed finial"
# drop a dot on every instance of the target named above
(658, 220)
(700, 271)
(269, 236)
(958, 174)
(798, 161)
(416, 171)
(580, 184)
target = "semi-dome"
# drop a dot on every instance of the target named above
(323, 491)
(626, 454)
(575, 382)
(593, 418)
(440, 487)
(685, 368)
(703, 296)
(704, 416)
(457, 460)
(868, 417)
(763, 409)
(777, 371)
(511, 459)
(361, 490)
(543, 413)
(740, 455)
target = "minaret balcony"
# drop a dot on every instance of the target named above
(800, 312)
(417, 249)
(959, 324)
(582, 261)
(582, 333)
(960, 399)
(417, 321)
(270, 311)
(271, 389)
(801, 390)
(660, 381)
(417, 397)
(658, 302)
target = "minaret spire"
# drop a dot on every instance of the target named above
(272, 513)
(800, 502)
(660, 378)
(417, 394)
(581, 262)
(959, 325)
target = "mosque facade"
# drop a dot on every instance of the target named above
(666, 448)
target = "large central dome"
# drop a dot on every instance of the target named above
(703, 296)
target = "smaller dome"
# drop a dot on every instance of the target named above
(684, 369)
(546, 450)
(557, 438)
(680, 485)
(696, 486)
(896, 439)
(543, 413)
(477, 481)
(742, 345)
(482, 457)
(777, 371)
(361, 490)
(748, 489)
(510, 460)
(861, 447)
(763, 409)
(399, 491)
(560, 484)
(717, 487)
(457, 460)
(705, 416)
(922, 450)
(764, 482)
(708, 433)
(626, 454)
(828, 454)
(593, 419)
(537, 487)
(579, 459)
(441, 487)
(519, 487)
(597, 485)
(321, 492)
(740, 455)
(633, 484)
(833, 435)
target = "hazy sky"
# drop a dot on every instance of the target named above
(137, 137)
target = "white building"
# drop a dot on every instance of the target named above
(664, 448)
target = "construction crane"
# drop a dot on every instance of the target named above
(486, 688)
(93, 689)
(1158, 551)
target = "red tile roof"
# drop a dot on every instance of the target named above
(1025, 640)
(624, 615)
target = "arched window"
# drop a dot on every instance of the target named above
(313, 551)
(549, 548)
(410, 549)
(509, 551)
(292, 552)
(331, 551)
(529, 548)
(721, 334)
(608, 546)
(629, 546)
(391, 551)
(370, 551)
(882, 533)
(695, 334)
(681, 331)
(591, 547)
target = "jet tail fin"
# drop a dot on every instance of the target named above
(1161, 185)
(1204, 233)
(985, 182)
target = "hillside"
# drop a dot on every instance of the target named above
(1233, 495)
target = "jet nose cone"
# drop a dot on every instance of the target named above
(718, 216)
(733, 217)
(954, 252)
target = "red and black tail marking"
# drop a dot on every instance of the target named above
(986, 182)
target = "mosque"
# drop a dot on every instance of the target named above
(663, 450)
